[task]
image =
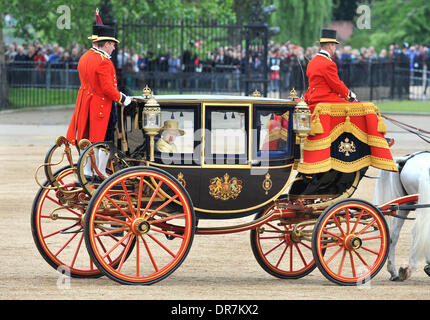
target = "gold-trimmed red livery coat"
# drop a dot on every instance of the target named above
(324, 83)
(94, 102)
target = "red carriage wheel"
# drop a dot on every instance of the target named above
(354, 235)
(280, 251)
(57, 221)
(150, 207)
(57, 228)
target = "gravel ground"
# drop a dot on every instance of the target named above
(217, 267)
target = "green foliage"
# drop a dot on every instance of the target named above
(37, 19)
(301, 21)
(396, 21)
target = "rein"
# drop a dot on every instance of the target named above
(423, 134)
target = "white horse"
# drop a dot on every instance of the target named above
(414, 178)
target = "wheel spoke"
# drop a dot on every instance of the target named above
(352, 264)
(166, 232)
(274, 227)
(139, 200)
(162, 206)
(369, 250)
(77, 250)
(150, 254)
(342, 262)
(156, 221)
(332, 234)
(330, 245)
(362, 259)
(125, 253)
(301, 254)
(334, 255)
(367, 227)
(162, 245)
(110, 219)
(66, 244)
(282, 255)
(130, 205)
(347, 220)
(152, 198)
(118, 207)
(336, 221)
(358, 220)
(275, 247)
(116, 245)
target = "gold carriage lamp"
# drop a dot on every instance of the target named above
(302, 124)
(152, 122)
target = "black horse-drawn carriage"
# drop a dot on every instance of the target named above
(232, 157)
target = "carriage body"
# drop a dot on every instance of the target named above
(236, 155)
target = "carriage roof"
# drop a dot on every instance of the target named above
(209, 97)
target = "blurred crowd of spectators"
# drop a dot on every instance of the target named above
(229, 57)
(37, 55)
(286, 62)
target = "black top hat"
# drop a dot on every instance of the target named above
(328, 35)
(102, 32)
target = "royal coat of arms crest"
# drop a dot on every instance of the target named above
(225, 188)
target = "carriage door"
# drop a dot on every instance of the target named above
(225, 155)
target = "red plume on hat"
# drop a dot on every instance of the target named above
(102, 32)
(98, 19)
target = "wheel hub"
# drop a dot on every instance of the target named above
(351, 242)
(140, 226)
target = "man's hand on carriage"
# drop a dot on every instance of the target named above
(352, 97)
(125, 100)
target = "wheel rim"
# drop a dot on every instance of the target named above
(57, 230)
(137, 205)
(355, 238)
(282, 251)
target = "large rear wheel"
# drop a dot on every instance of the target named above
(149, 207)
(57, 226)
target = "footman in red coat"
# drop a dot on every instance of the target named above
(94, 115)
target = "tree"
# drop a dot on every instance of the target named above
(396, 21)
(4, 96)
(301, 21)
(38, 19)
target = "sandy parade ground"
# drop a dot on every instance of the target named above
(216, 268)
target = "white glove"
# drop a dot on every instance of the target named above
(125, 100)
(352, 96)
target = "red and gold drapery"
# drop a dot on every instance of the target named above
(346, 137)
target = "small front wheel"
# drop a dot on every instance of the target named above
(354, 235)
(282, 248)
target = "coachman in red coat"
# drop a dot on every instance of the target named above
(324, 83)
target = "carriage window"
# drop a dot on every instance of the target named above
(273, 132)
(177, 132)
(227, 142)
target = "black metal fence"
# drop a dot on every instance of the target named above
(193, 56)
(35, 84)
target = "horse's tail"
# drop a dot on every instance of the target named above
(421, 229)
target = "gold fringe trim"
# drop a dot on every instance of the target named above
(316, 126)
(373, 141)
(381, 125)
(345, 109)
(347, 167)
